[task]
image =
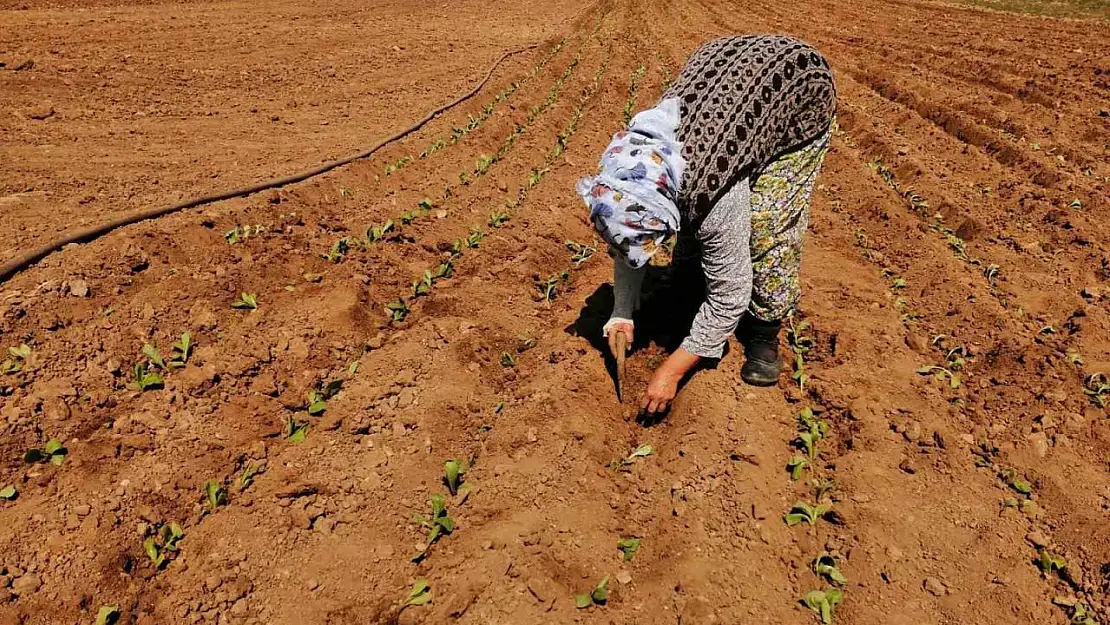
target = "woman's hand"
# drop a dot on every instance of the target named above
(620, 328)
(663, 387)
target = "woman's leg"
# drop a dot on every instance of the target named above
(780, 215)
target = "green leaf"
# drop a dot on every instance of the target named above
(507, 360)
(23, 352)
(439, 505)
(54, 446)
(600, 593)
(154, 355)
(583, 601)
(447, 523)
(834, 596)
(107, 615)
(215, 493)
(317, 408)
(825, 565)
(797, 465)
(151, 380)
(247, 477)
(421, 593)
(1022, 486)
(813, 599)
(628, 548)
(641, 452)
(332, 388)
(451, 472)
(183, 349)
(794, 518)
(153, 551)
(248, 301)
(9, 493)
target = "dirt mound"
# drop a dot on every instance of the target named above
(442, 301)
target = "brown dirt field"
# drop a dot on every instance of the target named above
(959, 209)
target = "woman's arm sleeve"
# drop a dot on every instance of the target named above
(626, 289)
(725, 237)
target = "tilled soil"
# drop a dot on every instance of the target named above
(955, 231)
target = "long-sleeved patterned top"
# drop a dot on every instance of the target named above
(745, 101)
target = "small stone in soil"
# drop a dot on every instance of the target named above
(935, 587)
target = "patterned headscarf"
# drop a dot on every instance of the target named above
(633, 198)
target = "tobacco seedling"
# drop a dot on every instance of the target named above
(318, 397)
(474, 238)
(991, 273)
(421, 593)
(453, 471)
(1097, 387)
(161, 547)
(598, 596)
(215, 495)
(18, 358)
(409, 217)
(295, 431)
(423, 286)
(181, 351)
(53, 452)
(581, 251)
(377, 233)
(643, 451)
(1011, 479)
(8, 493)
(483, 164)
(497, 219)
(628, 548)
(246, 301)
(439, 524)
(550, 286)
(397, 311)
(800, 342)
(823, 602)
(338, 251)
(107, 615)
(143, 379)
(1047, 562)
(246, 478)
(524, 344)
(155, 356)
(939, 373)
(797, 465)
(803, 512)
(822, 488)
(825, 566)
(507, 360)
(799, 374)
(1080, 615)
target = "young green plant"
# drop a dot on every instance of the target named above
(163, 546)
(823, 603)
(802, 512)
(643, 451)
(53, 452)
(438, 524)
(17, 358)
(598, 596)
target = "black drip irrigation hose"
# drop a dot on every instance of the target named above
(27, 259)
